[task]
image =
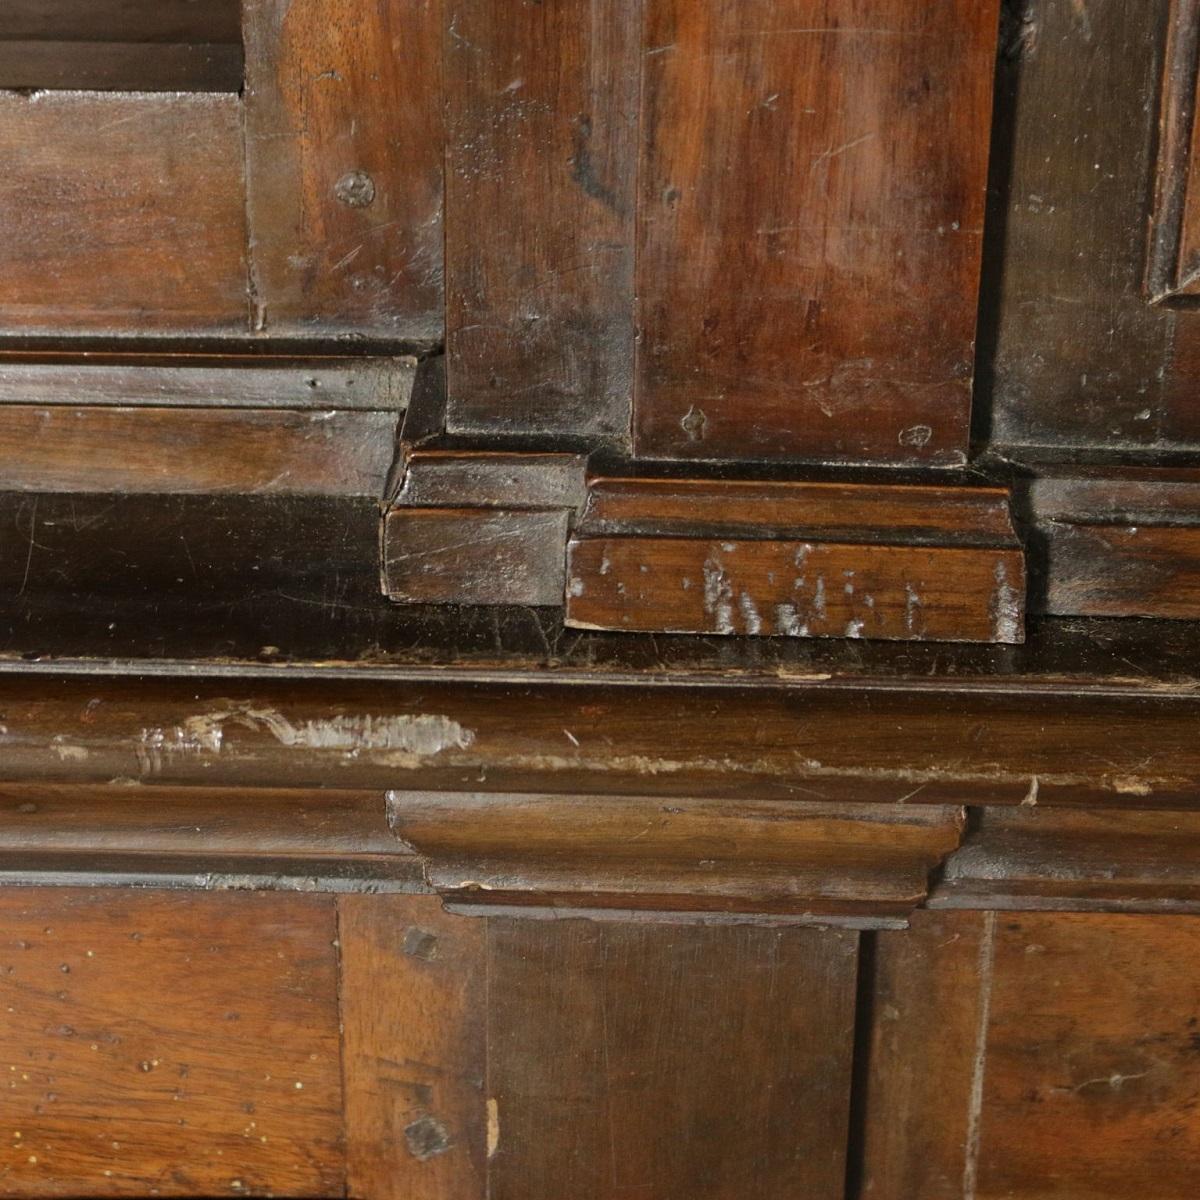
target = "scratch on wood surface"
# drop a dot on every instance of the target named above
(987, 958)
(836, 152)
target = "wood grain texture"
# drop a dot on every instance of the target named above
(123, 212)
(1116, 541)
(1069, 859)
(928, 991)
(602, 1072)
(808, 254)
(122, 20)
(796, 560)
(382, 384)
(181, 1044)
(1073, 352)
(543, 118)
(121, 66)
(344, 167)
(1092, 1072)
(868, 863)
(69, 449)
(415, 1003)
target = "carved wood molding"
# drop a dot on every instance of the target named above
(865, 864)
(1173, 267)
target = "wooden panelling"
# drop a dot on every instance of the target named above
(209, 380)
(866, 863)
(797, 560)
(414, 1003)
(543, 117)
(1115, 541)
(1092, 1072)
(67, 449)
(344, 163)
(808, 249)
(121, 66)
(122, 213)
(928, 990)
(170, 1044)
(606, 1077)
(1039, 858)
(1073, 351)
(1174, 261)
(122, 20)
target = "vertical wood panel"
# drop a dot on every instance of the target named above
(1093, 1074)
(344, 154)
(543, 116)
(413, 996)
(170, 1044)
(629, 1061)
(810, 221)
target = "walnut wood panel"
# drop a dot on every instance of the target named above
(122, 213)
(1036, 858)
(344, 162)
(209, 380)
(414, 1005)
(603, 1076)
(808, 254)
(862, 862)
(121, 66)
(1092, 1072)
(1073, 351)
(927, 990)
(543, 119)
(96, 449)
(797, 560)
(157, 1042)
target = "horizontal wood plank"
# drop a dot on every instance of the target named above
(122, 213)
(69, 449)
(122, 20)
(122, 66)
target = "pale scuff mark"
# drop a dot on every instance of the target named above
(987, 959)
(1030, 798)
(1130, 785)
(832, 152)
(493, 1126)
(718, 595)
(66, 752)
(750, 617)
(1006, 606)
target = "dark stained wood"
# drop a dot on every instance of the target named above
(122, 213)
(185, 1045)
(797, 560)
(869, 863)
(204, 380)
(344, 167)
(1036, 858)
(928, 990)
(1073, 351)
(1116, 541)
(121, 66)
(493, 479)
(414, 1010)
(1092, 1072)
(602, 1074)
(1173, 263)
(122, 20)
(853, 740)
(808, 252)
(93, 449)
(542, 126)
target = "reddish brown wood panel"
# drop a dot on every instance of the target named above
(608, 1078)
(414, 1002)
(1092, 1073)
(344, 164)
(70, 449)
(121, 213)
(808, 247)
(543, 119)
(171, 1044)
(928, 993)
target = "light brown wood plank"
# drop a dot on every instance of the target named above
(67, 449)
(413, 1007)
(543, 119)
(344, 163)
(171, 1043)
(121, 213)
(809, 247)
